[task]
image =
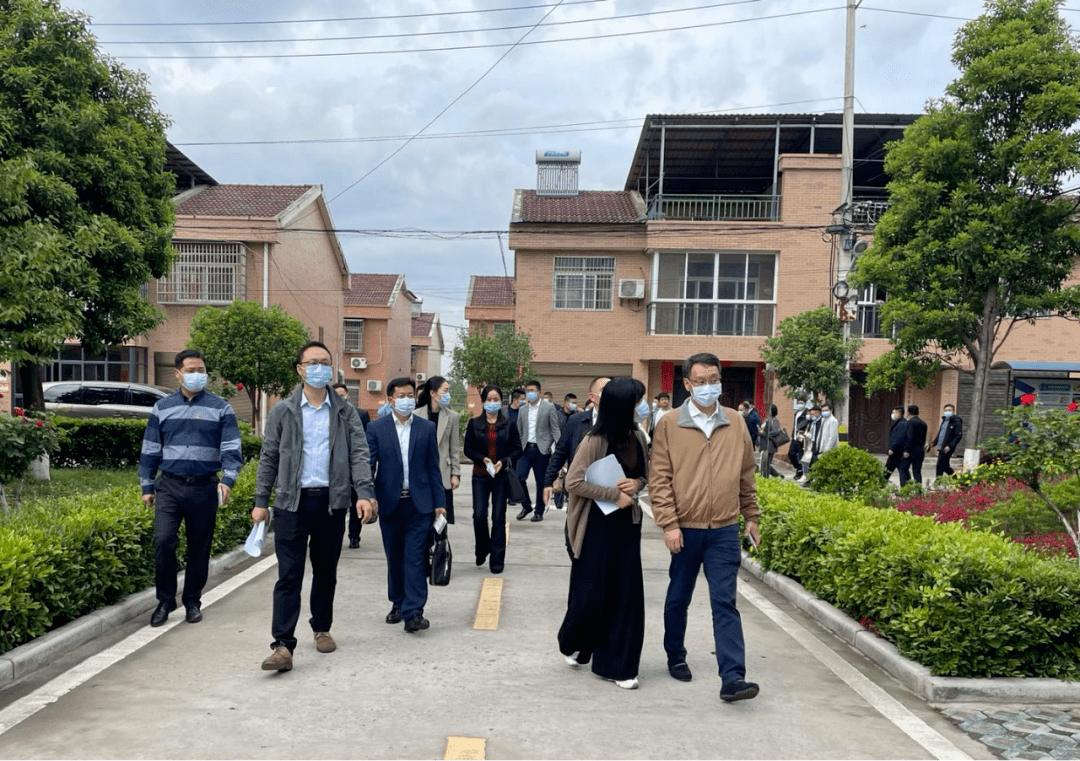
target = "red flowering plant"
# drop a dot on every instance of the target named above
(24, 437)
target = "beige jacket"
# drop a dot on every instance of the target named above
(448, 437)
(582, 493)
(696, 482)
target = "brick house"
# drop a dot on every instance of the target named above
(489, 306)
(378, 331)
(427, 345)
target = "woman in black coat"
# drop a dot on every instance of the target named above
(493, 445)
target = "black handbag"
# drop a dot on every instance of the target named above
(779, 438)
(440, 559)
(516, 488)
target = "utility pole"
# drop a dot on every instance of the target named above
(847, 299)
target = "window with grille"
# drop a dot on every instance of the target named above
(354, 335)
(584, 283)
(204, 273)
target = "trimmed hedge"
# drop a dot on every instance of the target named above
(847, 471)
(962, 603)
(61, 559)
(116, 442)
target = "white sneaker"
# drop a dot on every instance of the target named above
(572, 660)
(628, 684)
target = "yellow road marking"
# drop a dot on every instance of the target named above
(487, 610)
(470, 748)
(508, 533)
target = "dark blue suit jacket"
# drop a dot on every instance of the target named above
(572, 433)
(898, 435)
(425, 478)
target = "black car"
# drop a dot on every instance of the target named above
(101, 398)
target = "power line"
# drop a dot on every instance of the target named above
(501, 131)
(351, 18)
(914, 13)
(430, 34)
(511, 46)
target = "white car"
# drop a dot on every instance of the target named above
(85, 399)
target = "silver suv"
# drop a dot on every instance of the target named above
(101, 398)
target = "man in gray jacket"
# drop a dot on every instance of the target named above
(315, 452)
(539, 425)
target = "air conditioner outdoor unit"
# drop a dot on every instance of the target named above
(358, 363)
(631, 288)
(421, 377)
(374, 385)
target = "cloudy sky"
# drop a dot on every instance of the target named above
(331, 119)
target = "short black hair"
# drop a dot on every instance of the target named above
(187, 354)
(663, 395)
(773, 411)
(569, 396)
(308, 345)
(342, 386)
(950, 406)
(826, 404)
(815, 408)
(534, 382)
(398, 382)
(704, 358)
(894, 409)
(913, 409)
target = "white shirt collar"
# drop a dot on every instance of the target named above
(325, 402)
(408, 420)
(698, 413)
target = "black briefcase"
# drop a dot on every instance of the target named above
(440, 559)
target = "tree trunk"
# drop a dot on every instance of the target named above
(256, 413)
(30, 386)
(982, 357)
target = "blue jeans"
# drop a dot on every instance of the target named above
(718, 550)
(532, 459)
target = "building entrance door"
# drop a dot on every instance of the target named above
(869, 420)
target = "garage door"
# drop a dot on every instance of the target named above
(562, 378)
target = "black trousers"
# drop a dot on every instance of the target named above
(194, 501)
(944, 467)
(605, 608)
(405, 533)
(312, 528)
(795, 453)
(490, 542)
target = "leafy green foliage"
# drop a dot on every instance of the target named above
(61, 559)
(978, 235)
(961, 603)
(847, 471)
(85, 203)
(502, 359)
(810, 355)
(251, 345)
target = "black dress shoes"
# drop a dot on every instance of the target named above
(524, 511)
(161, 615)
(394, 616)
(680, 671)
(537, 517)
(194, 614)
(416, 623)
(738, 690)
(481, 559)
(354, 544)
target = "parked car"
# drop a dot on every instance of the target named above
(101, 398)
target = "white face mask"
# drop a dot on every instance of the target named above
(194, 381)
(799, 406)
(826, 413)
(706, 395)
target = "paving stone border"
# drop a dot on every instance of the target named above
(914, 676)
(25, 659)
(1035, 733)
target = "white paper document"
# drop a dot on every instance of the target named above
(605, 472)
(254, 544)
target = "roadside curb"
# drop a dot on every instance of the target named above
(25, 659)
(914, 676)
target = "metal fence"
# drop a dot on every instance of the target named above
(696, 319)
(716, 207)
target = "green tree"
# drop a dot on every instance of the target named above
(809, 354)
(978, 236)
(85, 204)
(251, 345)
(502, 359)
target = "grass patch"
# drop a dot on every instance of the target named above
(71, 482)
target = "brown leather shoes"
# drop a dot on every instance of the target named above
(324, 643)
(279, 660)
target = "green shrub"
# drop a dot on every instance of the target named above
(847, 471)
(117, 442)
(63, 558)
(962, 603)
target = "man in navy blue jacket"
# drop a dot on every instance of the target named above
(573, 432)
(897, 440)
(409, 492)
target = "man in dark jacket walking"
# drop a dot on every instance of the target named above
(914, 445)
(753, 420)
(897, 439)
(948, 439)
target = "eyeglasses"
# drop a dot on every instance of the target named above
(710, 381)
(313, 362)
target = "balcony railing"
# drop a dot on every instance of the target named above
(716, 208)
(867, 323)
(691, 318)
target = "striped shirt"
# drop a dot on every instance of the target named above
(190, 438)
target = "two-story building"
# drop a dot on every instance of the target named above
(427, 345)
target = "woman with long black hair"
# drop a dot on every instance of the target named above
(434, 404)
(493, 445)
(605, 612)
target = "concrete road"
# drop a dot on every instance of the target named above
(196, 691)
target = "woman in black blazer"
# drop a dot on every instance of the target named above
(490, 441)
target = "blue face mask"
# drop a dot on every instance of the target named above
(384, 409)
(444, 400)
(404, 405)
(492, 407)
(532, 396)
(826, 413)
(707, 395)
(317, 376)
(642, 410)
(948, 414)
(194, 381)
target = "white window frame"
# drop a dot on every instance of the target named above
(356, 346)
(596, 275)
(205, 272)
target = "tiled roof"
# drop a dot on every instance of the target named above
(241, 200)
(370, 290)
(421, 324)
(602, 206)
(488, 291)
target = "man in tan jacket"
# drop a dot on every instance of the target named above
(700, 479)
